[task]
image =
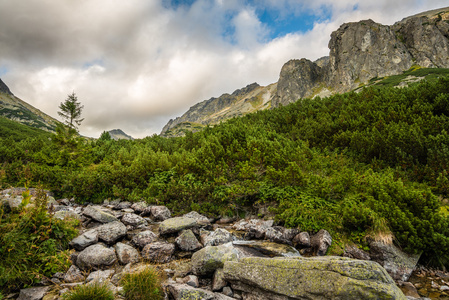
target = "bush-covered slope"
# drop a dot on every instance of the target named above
(372, 163)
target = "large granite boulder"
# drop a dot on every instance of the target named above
(187, 241)
(211, 258)
(126, 254)
(184, 291)
(144, 238)
(96, 213)
(310, 278)
(173, 225)
(320, 242)
(133, 220)
(34, 293)
(84, 240)
(160, 213)
(398, 264)
(96, 257)
(74, 274)
(158, 252)
(111, 232)
(217, 237)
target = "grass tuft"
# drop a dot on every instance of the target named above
(95, 291)
(143, 285)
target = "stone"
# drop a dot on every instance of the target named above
(217, 237)
(352, 251)
(133, 220)
(126, 254)
(111, 232)
(218, 281)
(200, 219)
(211, 258)
(123, 205)
(139, 207)
(227, 291)
(269, 248)
(191, 280)
(74, 274)
(310, 278)
(96, 257)
(144, 238)
(158, 252)
(96, 213)
(302, 240)
(186, 292)
(84, 240)
(398, 264)
(320, 242)
(160, 213)
(34, 293)
(173, 225)
(255, 227)
(100, 275)
(279, 234)
(187, 241)
(14, 202)
(66, 214)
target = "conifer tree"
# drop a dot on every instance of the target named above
(71, 110)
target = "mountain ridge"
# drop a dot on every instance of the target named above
(358, 52)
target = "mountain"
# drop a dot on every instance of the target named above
(18, 110)
(118, 134)
(360, 54)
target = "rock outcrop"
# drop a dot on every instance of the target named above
(310, 278)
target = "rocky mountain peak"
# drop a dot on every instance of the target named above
(4, 88)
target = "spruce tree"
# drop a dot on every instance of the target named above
(71, 110)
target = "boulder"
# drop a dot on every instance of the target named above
(34, 293)
(185, 292)
(158, 252)
(302, 240)
(66, 214)
(100, 275)
(200, 219)
(96, 257)
(352, 251)
(191, 280)
(310, 278)
(139, 206)
(74, 274)
(126, 254)
(398, 264)
(96, 213)
(160, 213)
(123, 205)
(84, 240)
(217, 237)
(266, 248)
(144, 238)
(111, 232)
(173, 225)
(279, 234)
(211, 258)
(320, 242)
(218, 281)
(133, 220)
(255, 227)
(187, 241)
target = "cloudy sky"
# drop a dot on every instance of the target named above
(135, 64)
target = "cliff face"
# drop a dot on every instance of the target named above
(18, 110)
(358, 52)
(363, 50)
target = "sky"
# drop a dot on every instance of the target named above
(136, 64)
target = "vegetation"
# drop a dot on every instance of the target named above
(32, 243)
(143, 285)
(368, 164)
(18, 132)
(71, 110)
(92, 291)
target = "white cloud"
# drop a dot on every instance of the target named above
(134, 64)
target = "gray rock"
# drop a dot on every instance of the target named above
(160, 213)
(139, 207)
(398, 264)
(176, 224)
(310, 278)
(84, 240)
(302, 240)
(66, 214)
(191, 280)
(96, 213)
(218, 281)
(217, 237)
(261, 248)
(96, 257)
(14, 202)
(123, 205)
(133, 220)
(187, 241)
(320, 242)
(352, 251)
(126, 254)
(144, 238)
(185, 292)
(111, 232)
(227, 291)
(200, 219)
(34, 293)
(100, 275)
(279, 234)
(256, 227)
(211, 258)
(74, 274)
(158, 252)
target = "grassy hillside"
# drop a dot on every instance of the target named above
(367, 164)
(18, 131)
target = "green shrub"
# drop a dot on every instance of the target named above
(94, 291)
(32, 243)
(143, 285)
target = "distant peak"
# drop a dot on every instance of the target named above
(4, 88)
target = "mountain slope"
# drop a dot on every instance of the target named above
(118, 134)
(18, 110)
(361, 53)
